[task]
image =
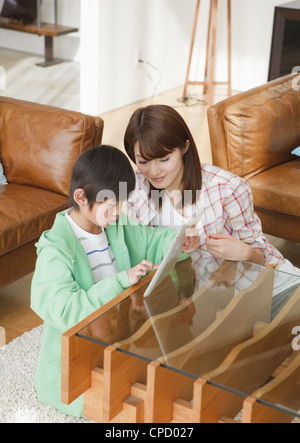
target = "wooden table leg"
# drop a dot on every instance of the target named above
(211, 403)
(2, 336)
(49, 54)
(255, 412)
(164, 387)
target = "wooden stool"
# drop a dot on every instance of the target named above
(209, 83)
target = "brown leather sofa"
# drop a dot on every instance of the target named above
(252, 135)
(39, 145)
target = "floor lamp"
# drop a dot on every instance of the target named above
(209, 82)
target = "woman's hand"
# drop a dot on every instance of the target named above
(228, 247)
(192, 241)
(134, 274)
(191, 244)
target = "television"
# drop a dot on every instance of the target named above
(285, 51)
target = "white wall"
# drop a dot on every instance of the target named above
(111, 30)
(252, 38)
(65, 47)
(160, 29)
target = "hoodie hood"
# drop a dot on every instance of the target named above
(61, 236)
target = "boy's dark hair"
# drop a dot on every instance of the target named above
(102, 169)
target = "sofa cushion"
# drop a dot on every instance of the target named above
(25, 213)
(40, 144)
(262, 130)
(277, 189)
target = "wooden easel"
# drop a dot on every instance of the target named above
(209, 83)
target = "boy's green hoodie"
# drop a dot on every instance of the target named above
(63, 290)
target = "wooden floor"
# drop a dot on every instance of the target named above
(36, 84)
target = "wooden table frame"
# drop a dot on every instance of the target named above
(121, 388)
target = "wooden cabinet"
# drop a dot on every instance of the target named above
(286, 40)
(47, 30)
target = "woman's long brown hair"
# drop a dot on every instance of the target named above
(159, 129)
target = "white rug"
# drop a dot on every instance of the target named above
(18, 401)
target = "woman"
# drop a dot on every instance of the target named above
(173, 186)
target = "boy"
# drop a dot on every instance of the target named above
(91, 254)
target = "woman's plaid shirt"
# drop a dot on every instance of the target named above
(226, 202)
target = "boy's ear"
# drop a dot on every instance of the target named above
(79, 197)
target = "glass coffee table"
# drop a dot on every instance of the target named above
(203, 347)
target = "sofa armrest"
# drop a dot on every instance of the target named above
(256, 130)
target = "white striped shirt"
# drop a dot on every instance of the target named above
(98, 251)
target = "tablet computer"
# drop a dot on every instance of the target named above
(172, 256)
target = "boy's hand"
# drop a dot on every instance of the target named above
(134, 274)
